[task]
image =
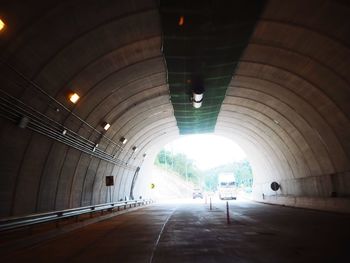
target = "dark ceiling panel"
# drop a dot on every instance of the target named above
(202, 53)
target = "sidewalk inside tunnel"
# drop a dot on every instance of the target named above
(192, 231)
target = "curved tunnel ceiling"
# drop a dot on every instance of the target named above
(286, 103)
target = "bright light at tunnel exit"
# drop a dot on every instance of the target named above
(207, 150)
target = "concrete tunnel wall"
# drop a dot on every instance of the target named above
(121, 80)
(287, 104)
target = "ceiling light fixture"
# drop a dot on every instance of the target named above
(2, 25)
(123, 140)
(73, 97)
(134, 148)
(181, 21)
(106, 126)
(197, 100)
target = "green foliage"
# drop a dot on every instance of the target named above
(241, 170)
(208, 179)
(243, 173)
(180, 164)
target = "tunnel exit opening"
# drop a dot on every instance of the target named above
(191, 167)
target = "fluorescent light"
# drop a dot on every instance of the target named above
(106, 126)
(73, 97)
(2, 25)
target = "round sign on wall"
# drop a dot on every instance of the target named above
(275, 186)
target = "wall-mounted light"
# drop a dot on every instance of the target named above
(277, 122)
(123, 140)
(181, 21)
(73, 97)
(106, 126)
(64, 132)
(144, 155)
(2, 25)
(197, 100)
(134, 148)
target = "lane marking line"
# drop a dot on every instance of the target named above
(160, 234)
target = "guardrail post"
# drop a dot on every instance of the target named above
(59, 214)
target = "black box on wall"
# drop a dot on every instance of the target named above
(109, 180)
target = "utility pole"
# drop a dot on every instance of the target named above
(172, 157)
(186, 170)
(166, 168)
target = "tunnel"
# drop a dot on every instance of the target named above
(276, 83)
(94, 89)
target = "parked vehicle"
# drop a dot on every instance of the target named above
(197, 193)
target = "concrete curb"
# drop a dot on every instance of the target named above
(327, 204)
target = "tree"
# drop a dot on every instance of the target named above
(186, 168)
(241, 170)
(180, 164)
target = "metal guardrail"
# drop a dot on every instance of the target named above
(12, 223)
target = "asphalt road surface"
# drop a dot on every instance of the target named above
(191, 232)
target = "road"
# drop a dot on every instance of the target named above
(191, 232)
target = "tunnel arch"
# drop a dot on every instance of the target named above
(287, 103)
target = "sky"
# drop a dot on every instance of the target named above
(207, 150)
